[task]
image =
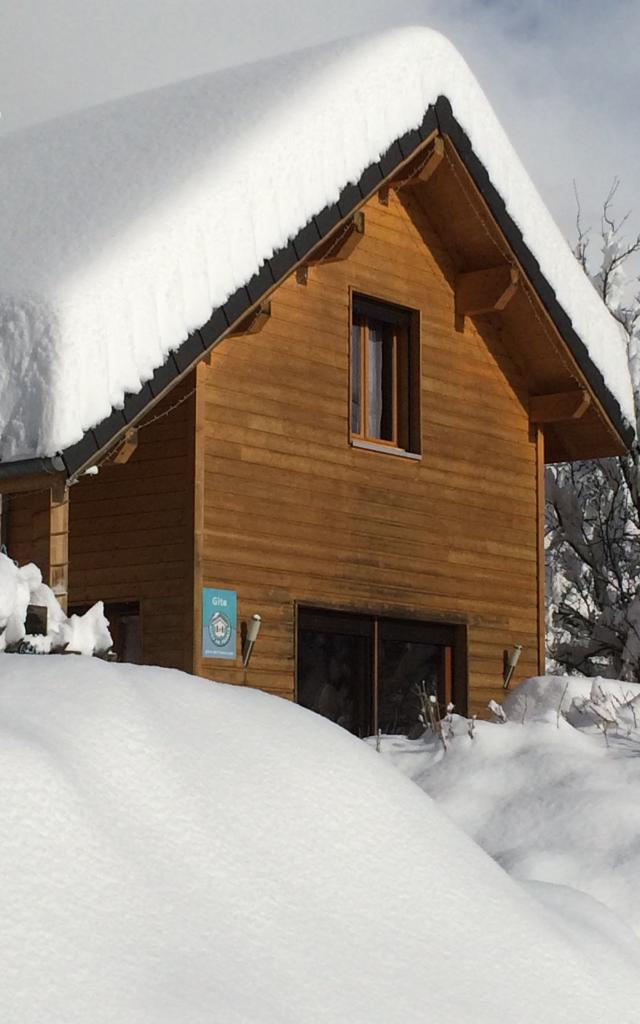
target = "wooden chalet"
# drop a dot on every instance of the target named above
(352, 447)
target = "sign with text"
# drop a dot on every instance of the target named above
(219, 623)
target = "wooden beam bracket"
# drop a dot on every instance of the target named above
(127, 448)
(256, 320)
(556, 408)
(341, 243)
(419, 172)
(486, 291)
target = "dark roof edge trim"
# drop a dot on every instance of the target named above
(439, 117)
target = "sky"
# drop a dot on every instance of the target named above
(562, 75)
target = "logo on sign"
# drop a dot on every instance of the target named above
(219, 629)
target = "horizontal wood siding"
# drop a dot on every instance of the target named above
(293, 514)
(131, 534)
(27, 527)
(36, 529)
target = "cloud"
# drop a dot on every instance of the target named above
(563, 78)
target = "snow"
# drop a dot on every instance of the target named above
(123, 226)
(175, 850)
(547, 794)
(21, 586)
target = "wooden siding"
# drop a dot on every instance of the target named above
(36, 529)
(291, 513)
(26, 539)
(131, 534)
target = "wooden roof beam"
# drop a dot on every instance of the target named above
(559, 407)
(55, 482)
(486, 291)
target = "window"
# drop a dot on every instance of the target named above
(124, 626)
(385, 376)
(362, 671)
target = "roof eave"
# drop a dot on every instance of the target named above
(438, 118)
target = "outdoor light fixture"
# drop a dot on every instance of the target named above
(252, 635)
(510, 664)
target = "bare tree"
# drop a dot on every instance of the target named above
(593, 508)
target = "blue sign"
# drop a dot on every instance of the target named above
(219, 623)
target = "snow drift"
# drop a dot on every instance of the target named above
(552, 794)
(123, 226)
(177, 851)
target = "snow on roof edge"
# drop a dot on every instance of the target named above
(126, 289)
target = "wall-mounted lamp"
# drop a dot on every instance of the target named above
(510, 662)
(253, 629)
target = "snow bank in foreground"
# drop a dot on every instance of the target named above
(21, 586)
(177, 851)
(123, 226)
(548, 799)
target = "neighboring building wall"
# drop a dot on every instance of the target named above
(27, 527)
(131, 534)
(291, 513)
(36, 529)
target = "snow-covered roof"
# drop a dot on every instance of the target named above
(122, 227)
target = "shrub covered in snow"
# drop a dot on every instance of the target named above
(23, 586)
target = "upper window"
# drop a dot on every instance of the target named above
(385, 386)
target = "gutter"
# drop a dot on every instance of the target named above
(32, 467)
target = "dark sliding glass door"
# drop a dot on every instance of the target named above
(363, 671)
(334, 667)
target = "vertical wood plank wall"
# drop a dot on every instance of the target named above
(292, 513)
(131, 534)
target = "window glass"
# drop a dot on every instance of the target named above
(333, 678)
(380, 381)
(404, 666)
(356, 378)
(129, 639)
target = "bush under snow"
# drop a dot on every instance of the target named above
(181, 852)
(21, 586)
